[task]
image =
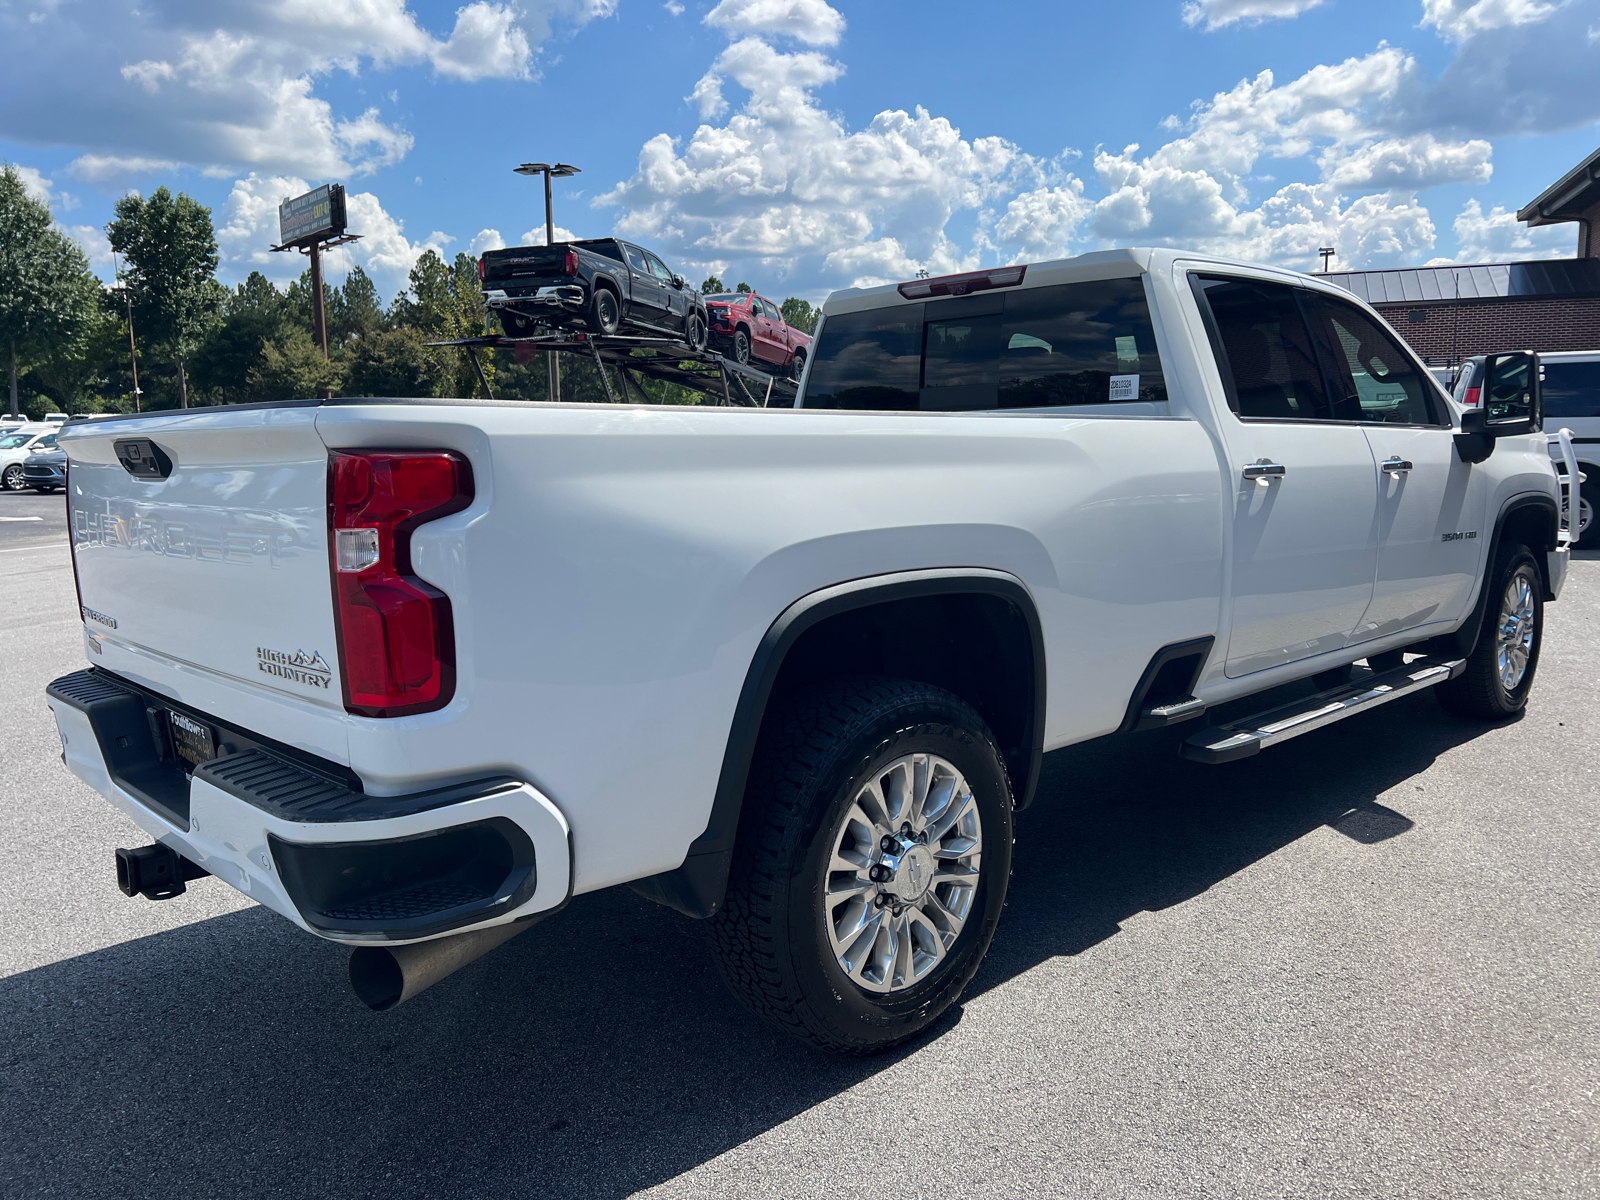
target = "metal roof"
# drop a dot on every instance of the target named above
(1485, 281)
(1569, 197)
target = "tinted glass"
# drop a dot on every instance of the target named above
(1572, 389)
(45, 443)
(1078, 343)
(659, 267)
(1366, 362)
(15, 440)
(869, 359)
(636, 260)
(1264, 349)
(962, 352)
(1508, 389)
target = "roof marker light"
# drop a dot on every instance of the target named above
(961, 285)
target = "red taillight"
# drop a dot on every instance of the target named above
(572, 262)
(396, 639)
(480, 270)
(1471, 398)
(960, 285)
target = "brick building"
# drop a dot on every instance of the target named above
(1450, 313)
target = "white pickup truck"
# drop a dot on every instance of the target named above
(414, 673)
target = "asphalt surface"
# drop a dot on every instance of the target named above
(1362, 964)
(28, 518)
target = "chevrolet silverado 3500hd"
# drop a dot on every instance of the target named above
(414, 673)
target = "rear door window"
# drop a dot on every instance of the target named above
(1064, 345)
(1572, 389)
(1263, 349)
(636, 259)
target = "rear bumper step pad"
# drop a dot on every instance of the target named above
(1253, 734)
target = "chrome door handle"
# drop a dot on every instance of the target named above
(1262, 470)
(1396, 466)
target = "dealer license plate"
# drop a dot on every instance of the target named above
(194, 743)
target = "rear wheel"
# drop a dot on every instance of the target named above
(605, 315)
(872, 864)
(11, 479)
(1500, 670)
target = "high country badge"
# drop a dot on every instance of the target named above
(298, 667)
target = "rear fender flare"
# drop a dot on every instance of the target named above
(697, 887)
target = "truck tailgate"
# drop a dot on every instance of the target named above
(216, 573)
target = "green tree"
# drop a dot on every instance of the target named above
(711, 285)
(426, 301)
(254, 313)
(171, 252)
(395, 363)
(293, 369)
(47, 293)
(744, 287)
(353, 310)
(800, 314)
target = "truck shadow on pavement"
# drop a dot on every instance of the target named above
(597, 1054)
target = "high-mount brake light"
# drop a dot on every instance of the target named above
(572, 262)
(396, 638)
(961, 285)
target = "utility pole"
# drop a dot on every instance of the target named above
(548, 170)
(133, 353)
(1327, 253)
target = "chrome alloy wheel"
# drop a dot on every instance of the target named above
(1514, 632)
(903, 873)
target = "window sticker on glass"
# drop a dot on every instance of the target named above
(1124, 387)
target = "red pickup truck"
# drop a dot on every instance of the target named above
(750, 329)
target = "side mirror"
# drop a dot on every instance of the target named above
(1512, 403)
(677, 281)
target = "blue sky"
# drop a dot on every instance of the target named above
(804, 145)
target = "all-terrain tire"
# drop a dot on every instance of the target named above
(605, 313)
(813, 759)
(741, 347)
(1481, 691)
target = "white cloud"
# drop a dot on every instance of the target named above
(233, 87)
(1459, 20)
(1498, 237)
(1414, 162)
(100, 168)
(486, 43)
(1043, 223)
(33, 182)
(248, 228)
(673, 7)
(96, 245)
(813, 22)
(1219, 13)
(487, 239)
(535, 237)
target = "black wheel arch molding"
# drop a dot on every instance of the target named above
(696, 888)
(1522, 509)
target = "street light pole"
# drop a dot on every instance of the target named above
(548, 170)
(133, 353)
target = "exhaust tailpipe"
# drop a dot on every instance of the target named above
(386, 976)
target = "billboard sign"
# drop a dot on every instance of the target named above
(316, 215)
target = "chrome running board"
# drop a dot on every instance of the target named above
(1253, 734)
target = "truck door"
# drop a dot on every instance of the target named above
(649, 293)
(1430, 504)
(1305, 527)
(769, 341)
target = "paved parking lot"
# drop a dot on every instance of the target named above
(1362, 964)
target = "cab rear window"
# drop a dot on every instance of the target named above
(1060, 346)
